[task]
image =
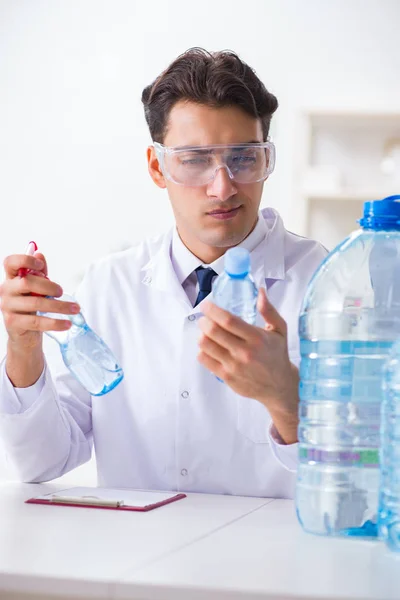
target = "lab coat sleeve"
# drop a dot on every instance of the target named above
(286, 454)
(19, 399)
(46, 429)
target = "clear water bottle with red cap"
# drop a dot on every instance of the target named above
(349, 322)
(86, 355)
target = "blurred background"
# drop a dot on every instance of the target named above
(73, 173)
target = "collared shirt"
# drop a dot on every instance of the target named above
(170, 424)
(185, 262)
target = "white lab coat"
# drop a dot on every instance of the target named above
(170, 424)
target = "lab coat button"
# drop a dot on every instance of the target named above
(185, 394)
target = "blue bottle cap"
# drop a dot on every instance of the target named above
(382, 214)
(237, 261)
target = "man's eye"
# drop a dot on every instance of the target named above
(243, 159)
(195, 160)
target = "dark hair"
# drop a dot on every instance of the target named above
(212, 78)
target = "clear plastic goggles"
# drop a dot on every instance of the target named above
(198, 165)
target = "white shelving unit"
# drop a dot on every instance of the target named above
(348, 158)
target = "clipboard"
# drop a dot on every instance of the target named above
(108, 498)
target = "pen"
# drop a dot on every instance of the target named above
(86, 500)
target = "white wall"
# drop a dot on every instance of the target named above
(72, 133)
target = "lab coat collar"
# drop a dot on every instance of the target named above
(267, 259)
(184, 262)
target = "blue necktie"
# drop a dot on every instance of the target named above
(204, 277)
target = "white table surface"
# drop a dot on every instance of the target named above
(202, 547)
(267, 555)
(63, 551)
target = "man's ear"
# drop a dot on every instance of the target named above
(154, 168)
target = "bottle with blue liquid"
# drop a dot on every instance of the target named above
(235, 290)
(348, 325)
(389, 496)
(85, 354)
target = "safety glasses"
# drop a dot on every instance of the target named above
(198, 165)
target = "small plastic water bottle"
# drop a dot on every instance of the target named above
(85, 354)
(389, 496)
(348, 324)
(235, 289)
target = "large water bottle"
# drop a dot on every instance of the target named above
(349, 321)
(389, 497)
(85, 354)
(235, 290)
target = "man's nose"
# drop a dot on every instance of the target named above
(222, 186)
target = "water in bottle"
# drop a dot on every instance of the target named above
(389, 496)
(234, 290)
(348, 324)
(85, 354)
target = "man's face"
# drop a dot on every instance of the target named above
(209, 235)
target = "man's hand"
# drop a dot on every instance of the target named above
(25, 360)
(253, 361)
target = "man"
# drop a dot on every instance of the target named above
(171, 424)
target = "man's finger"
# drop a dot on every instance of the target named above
(235, 325)
(210, 363)
(273, 320)
(41, 257)
(214, 350)
(219, 335)
(35, 323)
(15, 262)
(34, 284)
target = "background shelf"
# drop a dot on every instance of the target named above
(348, 159)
